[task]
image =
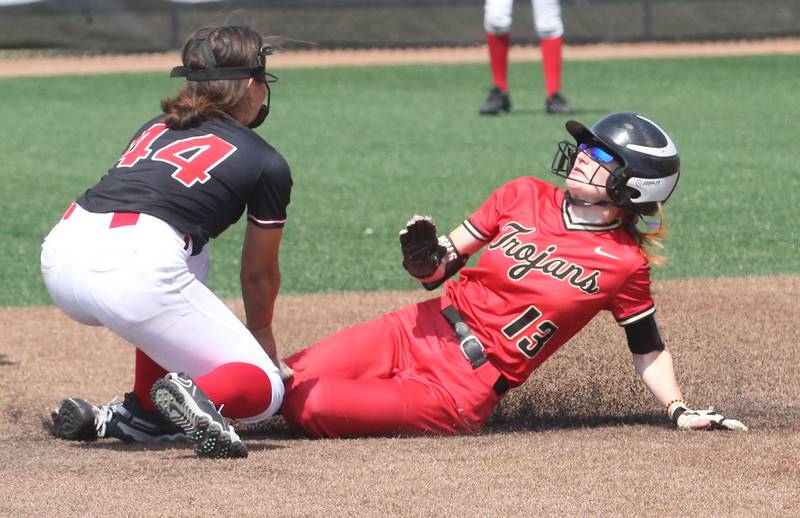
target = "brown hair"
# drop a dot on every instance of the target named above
(201, 100)
(648, 242)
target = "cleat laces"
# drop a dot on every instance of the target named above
(103, 416)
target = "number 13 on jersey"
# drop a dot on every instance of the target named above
(530, 345)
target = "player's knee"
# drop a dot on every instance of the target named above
(305, 407)
(554, 29)
(257, 393)
(497, 23)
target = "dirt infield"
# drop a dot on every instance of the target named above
(24, 65)
(581, 437)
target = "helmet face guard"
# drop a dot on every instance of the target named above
(649, 162)
(213, 72)
(564, 161)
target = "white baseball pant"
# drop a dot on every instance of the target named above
(141, 282)
(546, 17)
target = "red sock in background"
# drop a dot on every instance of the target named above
(243, 388)
(147, 372)
(551, 64)
(498, 58)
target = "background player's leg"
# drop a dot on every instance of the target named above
(497, 24)
(498, 58)
(551, 64)
(550, 30)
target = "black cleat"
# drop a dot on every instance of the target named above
(495, 102)
(557, 104)
(74, 419)
(185, 405)
(78, 420)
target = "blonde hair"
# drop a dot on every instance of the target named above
(649, 242)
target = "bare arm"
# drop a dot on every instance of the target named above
(656, 370)
(261, 279)
(658, 373)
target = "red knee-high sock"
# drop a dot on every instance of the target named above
(498, 59)
(243, 388)
(551, 63)
(147, 372)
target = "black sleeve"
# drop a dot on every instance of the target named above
(643, 336)
(270, 198)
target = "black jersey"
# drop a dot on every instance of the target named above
(199, 180)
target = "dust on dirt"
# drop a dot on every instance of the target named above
(581, 437)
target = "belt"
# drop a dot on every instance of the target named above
(471, 347)
(128, 219)
(125, 219)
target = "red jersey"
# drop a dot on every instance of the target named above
(542, 277)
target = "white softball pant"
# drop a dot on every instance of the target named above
(546, 17)
(140, 281)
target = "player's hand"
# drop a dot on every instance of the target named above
(422, 253)
(693, 420)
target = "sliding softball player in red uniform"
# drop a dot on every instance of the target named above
(552, 260)
(131, 254)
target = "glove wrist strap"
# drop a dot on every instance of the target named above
(676, 408)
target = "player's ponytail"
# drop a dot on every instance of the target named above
(651, 239)
(198, 101)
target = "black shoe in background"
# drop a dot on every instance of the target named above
(495, 102)
(557, 104)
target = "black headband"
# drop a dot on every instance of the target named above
(214, 73)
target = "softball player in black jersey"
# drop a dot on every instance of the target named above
(131, 254)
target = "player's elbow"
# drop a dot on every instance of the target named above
(261, 280)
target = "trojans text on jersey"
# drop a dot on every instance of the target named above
(528, 258)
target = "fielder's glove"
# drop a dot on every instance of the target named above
(687, 419)
(422, 252)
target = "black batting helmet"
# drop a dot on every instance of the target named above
(650, 165)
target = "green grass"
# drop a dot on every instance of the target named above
(370, 146)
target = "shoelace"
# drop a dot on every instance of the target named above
(233, 434)
(102, 416)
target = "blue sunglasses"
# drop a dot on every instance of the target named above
(599, 154)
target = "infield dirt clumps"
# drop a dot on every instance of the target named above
(582, 436)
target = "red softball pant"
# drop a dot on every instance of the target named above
(400, 374)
